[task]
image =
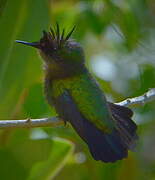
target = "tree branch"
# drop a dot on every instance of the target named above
(31, 123)
(140, 100)
(55, 121)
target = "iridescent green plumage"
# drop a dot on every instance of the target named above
(106, 128)
(86, 95)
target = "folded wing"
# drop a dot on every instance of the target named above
(103, 146)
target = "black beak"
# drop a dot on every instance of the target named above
(34, 44)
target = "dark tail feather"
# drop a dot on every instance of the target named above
(109, 147)
(125, 126)
(104, 147)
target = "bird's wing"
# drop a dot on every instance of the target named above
(68, 111)
(88, 97)
(107, 147)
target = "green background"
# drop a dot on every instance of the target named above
(119, 41)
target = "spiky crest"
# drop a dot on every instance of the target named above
(55, 39)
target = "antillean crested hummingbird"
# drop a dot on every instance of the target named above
(105, 127)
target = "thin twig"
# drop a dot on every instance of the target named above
(140, 100)
(55, 121)
(31, 123)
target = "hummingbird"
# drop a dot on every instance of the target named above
(105, 127)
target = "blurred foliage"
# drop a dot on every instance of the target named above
(119, 41)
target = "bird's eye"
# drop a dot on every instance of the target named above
(43, 44)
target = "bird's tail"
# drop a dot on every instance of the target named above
(115, 145)
(125, 126)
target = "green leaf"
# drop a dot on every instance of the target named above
(19, 65)
(60, 153)
(2, 6)
(35, 105)
(10, 167)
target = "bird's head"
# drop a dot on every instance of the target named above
(60, 53)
